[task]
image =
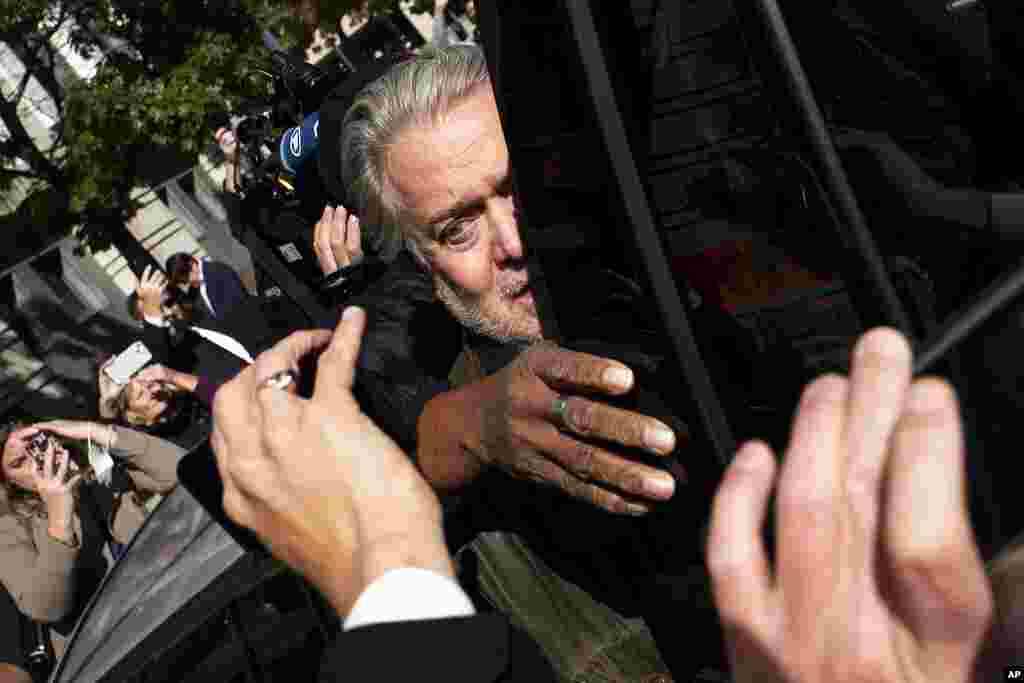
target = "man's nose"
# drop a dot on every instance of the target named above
(506, 240)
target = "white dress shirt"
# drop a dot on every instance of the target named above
(226, 342)
(409, 594)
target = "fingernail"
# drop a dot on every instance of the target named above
(637, 510)
(660, 485)
(660, 439)
(350, 313)
(619, 378)
(753, 457)
(928, 396)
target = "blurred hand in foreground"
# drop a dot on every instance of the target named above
(876, 574)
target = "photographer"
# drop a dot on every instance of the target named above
(448, 27)
(63, 516)
(227, 140)
(157, 400)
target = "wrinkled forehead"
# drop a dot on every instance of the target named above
(454, 160)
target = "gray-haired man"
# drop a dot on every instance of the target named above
(426, 163)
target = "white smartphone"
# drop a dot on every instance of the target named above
(128, 362)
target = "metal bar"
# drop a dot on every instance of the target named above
(705, 403)
(966, 320)
(962, 5)
(29, 259)
(879, 304)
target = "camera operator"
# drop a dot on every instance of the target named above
(448, 27)
(295, 210)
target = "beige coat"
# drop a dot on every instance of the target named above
(39, 571)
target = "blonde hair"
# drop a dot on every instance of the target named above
(415, 92)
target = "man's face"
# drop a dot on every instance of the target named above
(454, 180)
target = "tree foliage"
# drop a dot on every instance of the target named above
(167, 65)
(327, 13)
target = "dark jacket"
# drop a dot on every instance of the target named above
(408, 349)
(223, 286)
(480, 649)
(185, 350)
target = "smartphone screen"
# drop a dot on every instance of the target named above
(128, 362)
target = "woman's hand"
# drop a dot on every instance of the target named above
(80, 430)
(337, 240)
(155, 373)
(56, 489)
(151, 292)
(162, 375)
(228, 143)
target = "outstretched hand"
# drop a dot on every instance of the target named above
(876, 576)
(324, 488)
(541, 419)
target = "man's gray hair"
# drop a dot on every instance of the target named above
(415, 92)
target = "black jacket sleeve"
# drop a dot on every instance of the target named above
(158, 341)
(409, 346)
(228, 284)
(480, 649)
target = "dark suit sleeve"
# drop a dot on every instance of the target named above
(480, 649)
(227, 285)
(158, 341)
(408, 348)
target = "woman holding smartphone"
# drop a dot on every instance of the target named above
(60, 521)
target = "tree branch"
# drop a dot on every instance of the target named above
(21, 87)
(13, 173)
(21, 142)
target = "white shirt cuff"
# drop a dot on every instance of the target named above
(157, 322)
(409, 594)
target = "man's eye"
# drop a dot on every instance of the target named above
(506, 189)
(458, 233)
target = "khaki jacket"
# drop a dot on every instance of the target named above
(39, 571)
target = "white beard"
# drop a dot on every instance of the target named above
(503, 320)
